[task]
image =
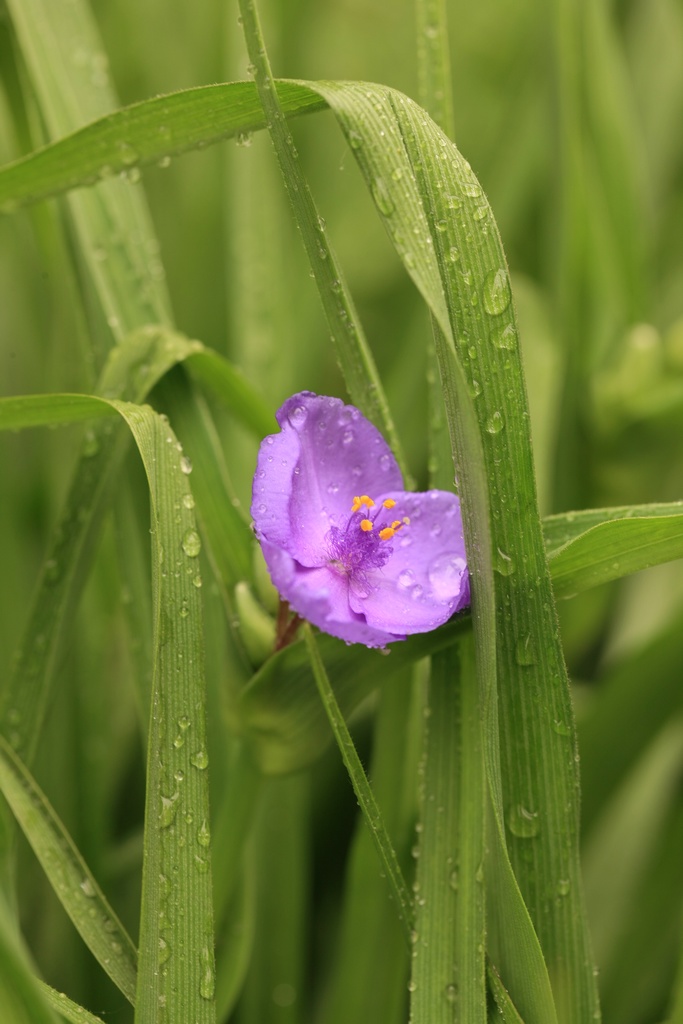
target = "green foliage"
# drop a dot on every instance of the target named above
(138, 682)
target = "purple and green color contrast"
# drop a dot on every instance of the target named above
(346, 546)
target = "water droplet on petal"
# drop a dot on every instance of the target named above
(406, 577)
(445, 576)
(348, 436)
(297, 416)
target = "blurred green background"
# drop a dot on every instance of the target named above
(570, 114)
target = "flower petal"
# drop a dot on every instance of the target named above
(322, 597)
(425, 580)
(308, 474)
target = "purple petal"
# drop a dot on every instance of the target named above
(308, 474)
(320, 596)
(425, 580)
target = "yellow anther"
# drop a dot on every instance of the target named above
(360, 501)
(389, 503)
(387, 533)
(406, 520)
(396, 525)
(366, 525)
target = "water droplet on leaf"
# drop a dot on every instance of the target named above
(496, 292)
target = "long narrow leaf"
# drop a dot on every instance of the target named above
(366, 799)
(69, 876)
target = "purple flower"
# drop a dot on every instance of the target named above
(345, 544)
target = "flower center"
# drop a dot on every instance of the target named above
(359, 548)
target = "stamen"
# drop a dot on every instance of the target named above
(387, 533)
(389, 503)
(360, 501)
(366, 525)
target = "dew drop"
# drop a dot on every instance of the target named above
(524, 651)
(496, 292)
(188, 501)
(87, 888)
(380, 194)
(348, 436)
(563, 887)
(204, 835)
(207, 982)
(244, 139)
(495, 423)
(192, 543)
(169, 806)
(185, 465)
(451, 993)
(504, 337)
(127, 155)
(445, 576)
(200, 760)
(406, 577)
(522, 822)
(416, 592)
(471, 189)
(297, 416)
(561, 728)
(164, 951)
(503, 564)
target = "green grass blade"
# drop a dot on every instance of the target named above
(66, 1008)
(448, 966)
(69, 876)
(142, 134)
(280, 711)
(176, 959)
(274, 988)
(20, 997)
(443, 229)
(176, 869)
(364, 794)
(619, 849)
(435, 91)
(506, 1009)
(351, 348)
(615, 548)
(133, 369)
(562, 529)
(363, 987)
(629, 712)
(113, 222)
